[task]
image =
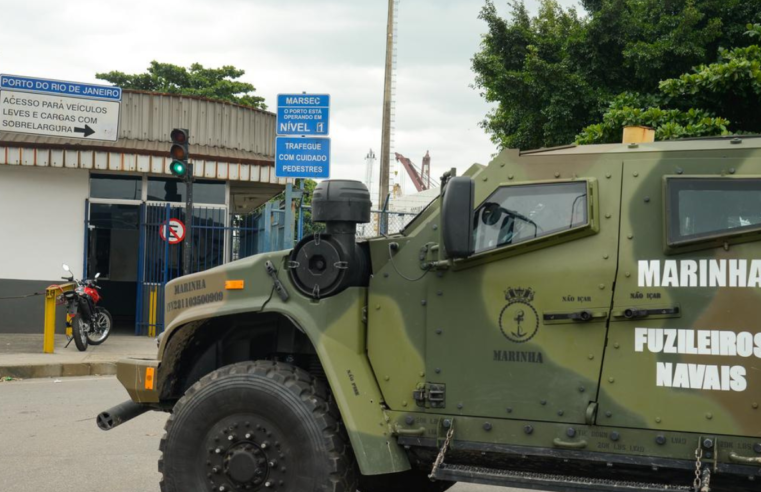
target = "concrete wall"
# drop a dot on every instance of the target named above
(41, 227)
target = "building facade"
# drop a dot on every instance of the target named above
(100, 207)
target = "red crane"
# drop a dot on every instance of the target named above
(422, 179)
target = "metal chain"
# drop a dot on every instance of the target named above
(698, 465)
(706, 481)
(442, 452)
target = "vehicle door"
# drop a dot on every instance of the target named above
(518, 329)
(685, 341)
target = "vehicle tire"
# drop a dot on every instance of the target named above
(79, 332)
(256, 422)
(409, 481)
(102, 327)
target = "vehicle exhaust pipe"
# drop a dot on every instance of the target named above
(116, 416)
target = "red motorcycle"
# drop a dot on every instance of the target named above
(90, 324)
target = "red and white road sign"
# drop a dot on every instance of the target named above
(176, 231)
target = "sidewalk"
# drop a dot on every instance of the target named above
(21, 356)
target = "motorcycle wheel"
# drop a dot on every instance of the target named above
(101, 327)
(79, 330)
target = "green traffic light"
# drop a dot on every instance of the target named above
(178, 168)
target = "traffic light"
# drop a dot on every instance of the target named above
(179, 153)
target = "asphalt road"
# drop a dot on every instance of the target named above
(49, 441)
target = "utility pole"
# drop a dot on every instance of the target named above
(385, 157)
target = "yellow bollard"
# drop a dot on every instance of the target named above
(48, 338)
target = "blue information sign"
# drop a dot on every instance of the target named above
(60, 87)
(302, 157)
(303, 114)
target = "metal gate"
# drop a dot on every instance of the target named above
(160, 258)
(215, 239)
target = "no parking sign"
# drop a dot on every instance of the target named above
(176, 231)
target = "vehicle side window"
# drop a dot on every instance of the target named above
(706, 208)
(518, 213)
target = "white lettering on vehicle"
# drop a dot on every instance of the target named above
(699, 273)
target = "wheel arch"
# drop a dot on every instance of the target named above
(192, 350)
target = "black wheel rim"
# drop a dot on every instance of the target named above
(244, 454)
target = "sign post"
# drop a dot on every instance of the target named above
(58, 108)
(301, 147)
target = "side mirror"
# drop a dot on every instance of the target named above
(66, 267)
(457, 217)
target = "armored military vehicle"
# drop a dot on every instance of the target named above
(578, 318)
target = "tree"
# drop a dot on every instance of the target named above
(688, 105)
(213, 83)
(553, 74)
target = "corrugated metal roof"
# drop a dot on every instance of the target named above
(217, 129)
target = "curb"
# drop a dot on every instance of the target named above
(59, 370)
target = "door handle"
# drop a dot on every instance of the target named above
(637, 313)
(581, 316)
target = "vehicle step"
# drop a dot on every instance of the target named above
(544, 481)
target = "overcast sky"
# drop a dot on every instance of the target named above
(328, 46)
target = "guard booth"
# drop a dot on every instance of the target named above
(104, 206)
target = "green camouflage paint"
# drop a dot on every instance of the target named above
(494, 328)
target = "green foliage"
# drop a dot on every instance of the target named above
(555, 73)
(634, 110)
(730, 87)
(213, 83)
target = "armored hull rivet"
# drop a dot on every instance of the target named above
(487, 427)
(590, 357)
(435, 227)
(528, 429)
(630, 236)
(409, 420)
(615, 436)
(616, 345)
(439, 293)
(708, 443)
(607, 216)
(404, 403)
(377, 307)
(422, 374)
(602, 286)
(460, 405)
(627, 274)
(657, 420)
(510, 176)
(647, 199)
(611, 380)
(757, 447)
(447, 423)
(608, 175)
(754, 405)
(731, 170)
(486, 179)
(386, 378)
(509, 409)
(423, 302)
(557, 175)
(709, 415)
(560, 413)
(543, 402)
(502, 164)
(438, 370)
(582, 389)
(439, 331)
(709, 454)
(605, 257)
(660, 440)
(635, 175)
(385, 275)
(679, 170)
(570, 432)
